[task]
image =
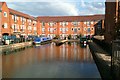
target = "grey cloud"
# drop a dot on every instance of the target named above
(94, 7)
(58, 8)
(45, 8)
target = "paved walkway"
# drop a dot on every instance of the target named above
(102, 59)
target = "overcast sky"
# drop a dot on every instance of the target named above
(58, 7)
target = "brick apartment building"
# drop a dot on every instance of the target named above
(17, 23)
(68, 25)
(111, 17)
(14, 22)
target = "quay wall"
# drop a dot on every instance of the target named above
(5, 49)
(103, 63)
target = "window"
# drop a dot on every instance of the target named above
(91, 22)
(21, 18)
(75, 30)
(75, 23)
(29, 28)
(88, 23)
(48, 29)
(43, 24)
(85, 29)
(12, 26)
(88, 30)
(24, 20)
(51, 30)
(12, 16)
(55, 29)
(34, 22)
(5, 14)
(92, 28)
(5, 25)
(15, 18)
(84, 22)
(66, 29)
(64, 24)
(60, 23)
(43, 29)
(51, 24)
(60, 29)
(30, 21)
(78, 28)
(15, 27)
(63, 30)
(72, 29)
(24, 27)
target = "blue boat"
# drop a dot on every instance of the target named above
(39, 40)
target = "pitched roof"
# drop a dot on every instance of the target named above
(1, 3)
(21, 14)
(70, 18)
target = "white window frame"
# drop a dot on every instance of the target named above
(92, 22)
(63, 30)
(51, 24)
(12, 16)
(75, 23)
(66, 29)
(35, 28)
(84, 28)
(21, 18)
(85, 22)
(60, 29)
(64, 24)
(5, 14)
(17, 18)
(12, 26)
(43, 29)
(5, 25)
(88, 23)
(51, 30)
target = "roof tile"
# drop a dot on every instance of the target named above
(70, 18)
(21, 14)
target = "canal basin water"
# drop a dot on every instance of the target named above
(50, 61)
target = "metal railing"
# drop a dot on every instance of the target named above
(115, 63)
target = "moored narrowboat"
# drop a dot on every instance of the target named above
(40, 40)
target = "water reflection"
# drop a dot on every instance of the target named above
(42, 55)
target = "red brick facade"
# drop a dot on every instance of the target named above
(68, 25)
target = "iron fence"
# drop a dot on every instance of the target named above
(115, 63)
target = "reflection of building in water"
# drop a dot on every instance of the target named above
(46, 53)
